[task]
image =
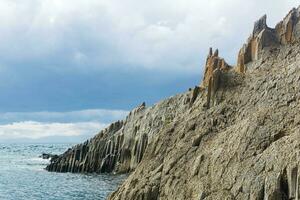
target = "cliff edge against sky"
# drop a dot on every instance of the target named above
(235, 136)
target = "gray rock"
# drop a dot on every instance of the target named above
(244, 144)
(260, 25)
(47, 156)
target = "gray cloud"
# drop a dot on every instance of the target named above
(78, 54)
(161, 34)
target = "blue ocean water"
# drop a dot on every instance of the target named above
(22, 176)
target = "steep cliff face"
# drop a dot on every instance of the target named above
(236, 136)
(244, 146)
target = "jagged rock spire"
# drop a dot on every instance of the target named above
(210, 52)
(216, 53)
(286, 32)
(213, 63)
(260, 25)
(213, 68)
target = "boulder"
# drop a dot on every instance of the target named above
(47, 156)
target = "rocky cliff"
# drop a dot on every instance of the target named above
(235, 136)
(121, 146)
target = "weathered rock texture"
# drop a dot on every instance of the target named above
(214, 69)
(244, 145)
(120, 147)
(285, 32)
(213, 63)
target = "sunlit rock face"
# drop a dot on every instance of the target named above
(215, 67)
(213, 63)
(286, 32)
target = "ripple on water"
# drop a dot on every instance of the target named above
(22, 177)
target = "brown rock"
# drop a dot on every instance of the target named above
(213, 70)
(286, 32)
(286, 29)
(213, 62)
(262, 37)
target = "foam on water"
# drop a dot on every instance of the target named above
(22, 176)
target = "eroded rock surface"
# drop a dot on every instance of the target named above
(286, 32)
(215, 68)
(120, 147)
(247, 146)
(235, 136)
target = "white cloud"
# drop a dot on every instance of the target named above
(95, 115)
(38, 130)
(73, 125)
(159, 34)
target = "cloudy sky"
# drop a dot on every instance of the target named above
(69, 67)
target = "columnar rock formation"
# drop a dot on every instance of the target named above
(285, 32)
(213, 63)
(108, 151)
(213, 70)
(120, 147)
(236, 136)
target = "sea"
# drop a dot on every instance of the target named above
(23, 177)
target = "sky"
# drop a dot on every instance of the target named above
(70, 67)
